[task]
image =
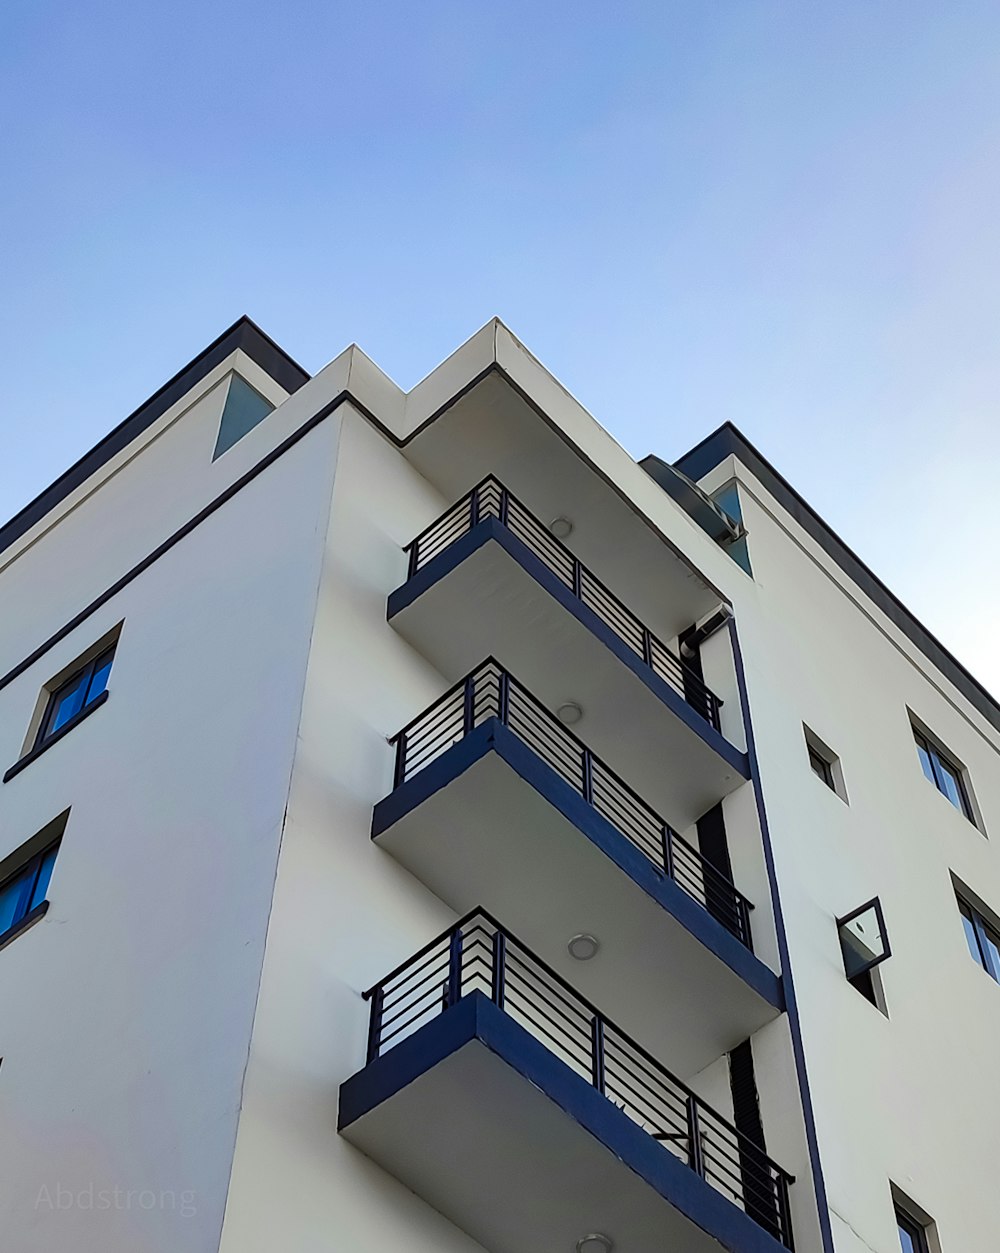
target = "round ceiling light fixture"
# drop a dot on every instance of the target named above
(569, 713)
(561, 527)
(595, 1242)
(583, 947)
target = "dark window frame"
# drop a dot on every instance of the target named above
(981, 928)
(824, 772)
(83, 675)
(29, 870)
(824, 763)
(939, 757)
(913, 1227)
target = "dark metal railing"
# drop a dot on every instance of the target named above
(490, 499)
(477, 954)
(490, 692)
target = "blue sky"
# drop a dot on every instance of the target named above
(784, 214)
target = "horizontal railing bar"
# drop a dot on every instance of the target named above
(592, 590)
(452, 691)
(458, 503)
(438, 939)
(447, 721)
(545, 1004)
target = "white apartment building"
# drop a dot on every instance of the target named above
(426, 830)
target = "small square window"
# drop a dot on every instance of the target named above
(67, 699)
(821, 767)
(72, 697)
(24, 879)
(824, 763)
(864, 946)
(941, 769)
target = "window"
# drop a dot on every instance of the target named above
(245, 407)
(945, 774)
(23, 893)
(982, 938)
(728, 500)
(912, 1234)
(824, 763)
(820, 767)
(72, 698)
(864, 946)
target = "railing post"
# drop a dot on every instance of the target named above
(695, 1158)
(455, 968)
(745, 935)
(713, 706)
(647, 647)
(597, 1053)
(668, 850)
(577, 579)
(411, 568)
(499, 968)
(588, 776)
(503, 697)
(375, 1023)
(504, 506)
(399, 774)
(469, 705)
(784, 1211)
(473, 507)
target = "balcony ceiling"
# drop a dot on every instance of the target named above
(491, 838)
(489, 605)
(525, 1158)
(493, 430)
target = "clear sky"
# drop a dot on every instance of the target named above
(781, 213)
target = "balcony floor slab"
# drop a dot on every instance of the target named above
(481, 1121)
(488, 594)
(489, 823)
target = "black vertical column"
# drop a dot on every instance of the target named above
(760, 1196)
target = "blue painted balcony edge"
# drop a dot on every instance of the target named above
(493, 736)
(492, 529)
(476, 1018)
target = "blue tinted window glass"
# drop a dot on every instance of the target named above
(99, 682)
(970, 938)
(728, 500)
(12, 904)
(243, 409)
(906, 1242)
(67, 702)
(992, 951)
(949, 784)
(925, 761)
(44, 875)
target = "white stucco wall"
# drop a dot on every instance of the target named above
(127, 1009)
(262, 638)
(344, 912)
(908, 1098)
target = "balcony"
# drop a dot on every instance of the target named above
(514, 1107)
(496, 802)
(489, 577)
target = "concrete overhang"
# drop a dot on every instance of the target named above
(488, 594)
(490, 823)
(479, 1119)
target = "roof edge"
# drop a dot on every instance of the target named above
(244, 334)
(729, 440)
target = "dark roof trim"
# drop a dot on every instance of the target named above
(243, 334)
(729, 440)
